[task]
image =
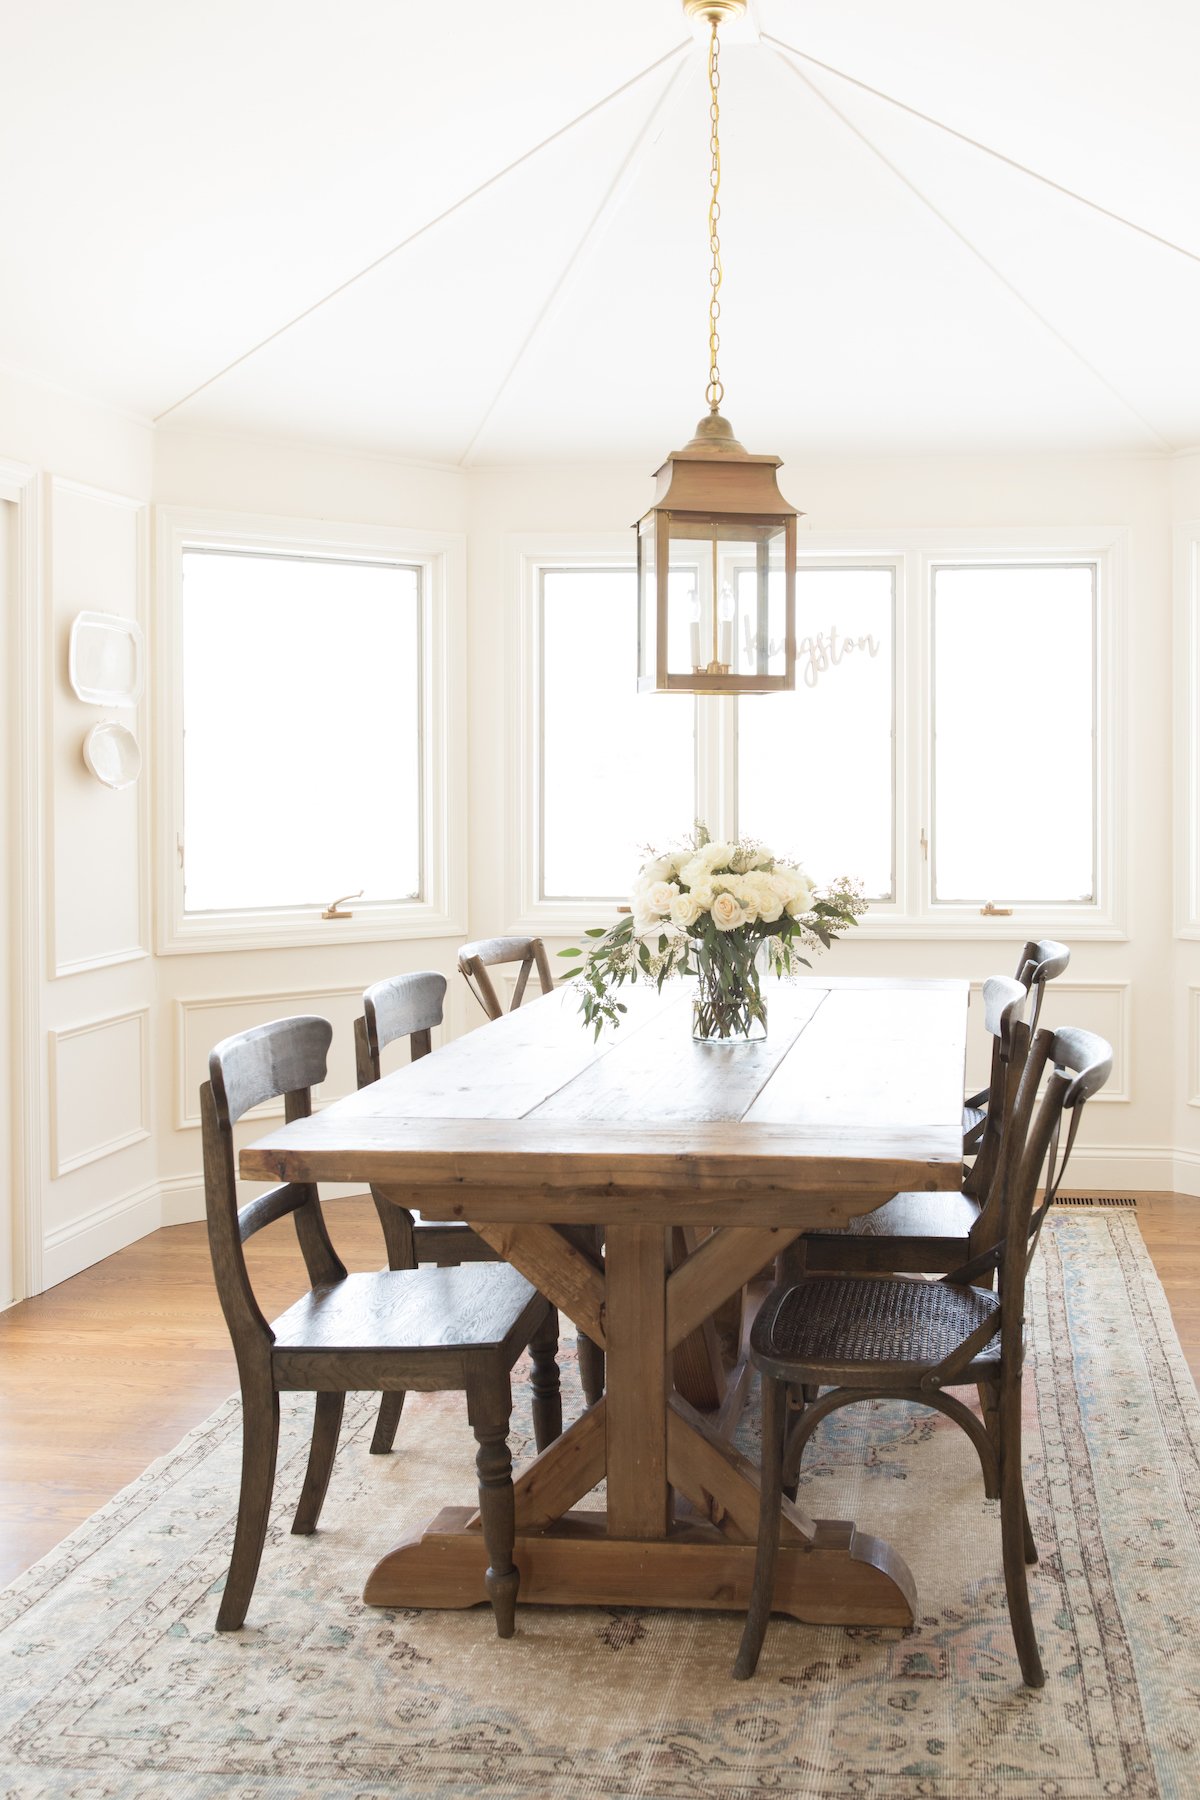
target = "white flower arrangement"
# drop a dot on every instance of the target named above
(711, 910)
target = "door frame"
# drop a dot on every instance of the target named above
(20, 485)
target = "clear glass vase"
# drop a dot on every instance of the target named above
(729, 1007)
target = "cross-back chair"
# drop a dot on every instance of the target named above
(1041, 960)
(474, 961)
(924, 1233)
(426, 1329)
(900, 1338)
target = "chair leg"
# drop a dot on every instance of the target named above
(260, 1446)
(1014, 1528)
(387, 1422)
(489, 1406)
(545, 1381)
(762, 1592)
(591, 1369)
(327, 1422)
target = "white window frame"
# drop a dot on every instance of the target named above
(1187, 729)
(914, 555)
(440, 911)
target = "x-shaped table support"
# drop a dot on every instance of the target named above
(650, 1445)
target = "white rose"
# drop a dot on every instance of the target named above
(767, 901)
(703, 894)
(660, 896)
(659, 868)
(803, 896)
(743, 892)
(685, 910)
(694, 871)
(727, 913)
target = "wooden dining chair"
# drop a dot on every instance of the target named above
(426, 1329)
(474, 961)
(407, 1006)
(931, 1233)
(1040, 961)
(899, 1338)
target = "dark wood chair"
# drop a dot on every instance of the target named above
(407, 1006)
(921, 1233)
(474, 961)
(899, 1338)
(1041, 960)
(425, 1329)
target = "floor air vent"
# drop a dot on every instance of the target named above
(1129, 1200)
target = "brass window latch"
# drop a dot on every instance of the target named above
(334, 909)
(991, 911)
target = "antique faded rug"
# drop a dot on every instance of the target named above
(115, 1684)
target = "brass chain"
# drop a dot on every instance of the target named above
(715, 391)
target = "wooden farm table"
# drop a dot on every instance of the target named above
(701, 1163)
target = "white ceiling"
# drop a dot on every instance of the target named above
(182, 180)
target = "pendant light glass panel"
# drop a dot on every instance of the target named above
(716, 603)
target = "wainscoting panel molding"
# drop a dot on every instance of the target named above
(201, 1023)
(98, 871)
(99, 1089)
(1102, 1006)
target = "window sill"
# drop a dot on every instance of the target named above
(217, 932)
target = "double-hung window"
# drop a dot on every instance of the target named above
(952, 741)
(310, 744)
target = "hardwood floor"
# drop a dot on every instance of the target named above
(108, 1370)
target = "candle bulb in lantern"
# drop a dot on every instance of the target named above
(727, 610)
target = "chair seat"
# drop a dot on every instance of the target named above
(475, 1306)
(918, 1215)
(847, 1330)
(973, 1116)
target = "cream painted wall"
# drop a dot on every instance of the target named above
(94, 1171)
(203, 997)
(8, 911)
(1125, 1143)
(166, 1011)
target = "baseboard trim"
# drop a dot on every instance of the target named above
(89, 1239)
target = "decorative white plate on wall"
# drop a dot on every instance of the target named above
(104, 662)
(111, 752)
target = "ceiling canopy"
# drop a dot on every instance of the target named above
(476, 235)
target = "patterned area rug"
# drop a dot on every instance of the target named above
(115, 1684)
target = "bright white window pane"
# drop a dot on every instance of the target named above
(1014, 730)
(815, 767)
(301, 715)
(618, 767)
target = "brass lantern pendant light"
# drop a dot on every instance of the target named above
(716, 553)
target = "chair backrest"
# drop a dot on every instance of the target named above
(1004, 1003)
(403, 1006)
(1079, 1064)
(285, 1059)
(474, 961)
(1040, 961)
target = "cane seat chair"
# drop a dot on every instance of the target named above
(476, 959)
(931, 1233)
(427, 1329)
(1041, 960)
(901, 1338)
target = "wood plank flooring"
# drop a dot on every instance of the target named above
(108, 1370)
